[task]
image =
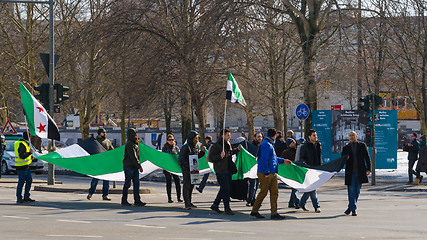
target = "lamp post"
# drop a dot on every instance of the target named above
(51, 172)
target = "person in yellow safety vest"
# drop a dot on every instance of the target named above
(23, 160)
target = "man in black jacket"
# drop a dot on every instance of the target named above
(131, 166)
(412, 148)
(222, 160)
(357, 170)
(190, 148)
(311, 154)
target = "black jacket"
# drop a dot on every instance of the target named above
(413, 150)
(131, 158)
(187, 150)
(311, 154)
(364, 162)
(280, 146)
(289, 153)
(221, 165)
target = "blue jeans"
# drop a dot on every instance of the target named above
(24, 176)
(224, 181)
(203, 182)
(253, 185)
(131, 174)
(353, 191)
(105, 187)
(313, 196)
(294, 200)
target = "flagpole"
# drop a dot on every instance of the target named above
(223, 128)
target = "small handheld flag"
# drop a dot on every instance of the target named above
(233, 91)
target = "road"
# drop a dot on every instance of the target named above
(382, 214)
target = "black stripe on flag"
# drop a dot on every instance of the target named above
(228, 95)
(91, 146)
(52, 130)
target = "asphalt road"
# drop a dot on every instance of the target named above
(382, 214)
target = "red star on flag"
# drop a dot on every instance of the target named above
(42, 128)
(40, 109)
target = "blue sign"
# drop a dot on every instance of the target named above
(302, 112)
(333, 127)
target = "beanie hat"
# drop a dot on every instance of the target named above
(301, 140)
(289, 141)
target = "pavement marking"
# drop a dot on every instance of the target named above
(72, 221)
(74, 236)
(144, 226)
(222, 231)
(15, 217)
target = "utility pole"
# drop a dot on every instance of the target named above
(373, 105)
(51, 167)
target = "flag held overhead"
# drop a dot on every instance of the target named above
(38, 120)
(233, 91)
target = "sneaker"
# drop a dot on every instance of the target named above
(20, 201)
(317, 210)
(192, 205)
(248, 204)
(304, 209)
(348, 211)
(277, 216)
(127, 204)
(29, 200)
(89, 196)
(106, 199)
(170, 201)
(198, 189)
(140, 204)
(353, 213)
(216, 209)
(180, 200)
(256, 214)
(229, 212)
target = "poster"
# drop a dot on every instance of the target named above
(333, 127)
(194, 169)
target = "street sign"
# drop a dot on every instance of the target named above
(335, 107)
(302, 111)
(8, 128)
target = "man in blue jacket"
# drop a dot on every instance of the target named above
(267, 175)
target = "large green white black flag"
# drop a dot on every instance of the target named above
(233, 91)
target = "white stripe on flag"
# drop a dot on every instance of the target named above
(313, 180)
(40, 119)
(72, 151)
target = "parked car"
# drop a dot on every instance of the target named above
(8, 160)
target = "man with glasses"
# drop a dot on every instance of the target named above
(357, 170)
(102, 139)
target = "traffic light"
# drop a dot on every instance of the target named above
(60, 90)
(378, 101)
(368, 137)
(366, 106)
(43, 95)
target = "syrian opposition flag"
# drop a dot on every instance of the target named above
(39, 122)
(90, 158)
(233, 91)
(304, 179)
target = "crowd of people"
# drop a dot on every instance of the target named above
(271, 150)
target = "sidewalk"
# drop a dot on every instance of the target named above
(69, 184)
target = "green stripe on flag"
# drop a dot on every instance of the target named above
(244, 163)
(293, 172)
(28, 104)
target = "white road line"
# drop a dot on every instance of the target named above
(18, 217)
(74, 236)
(221, 231)
(144, 226)
(72, 221)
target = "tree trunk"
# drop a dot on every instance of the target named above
(250, 121)
(200, 113)
(310, 91)
(186, 114)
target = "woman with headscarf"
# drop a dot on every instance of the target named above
(171, 147)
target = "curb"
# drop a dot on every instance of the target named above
(72, 190)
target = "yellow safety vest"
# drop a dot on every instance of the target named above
(19, 161)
